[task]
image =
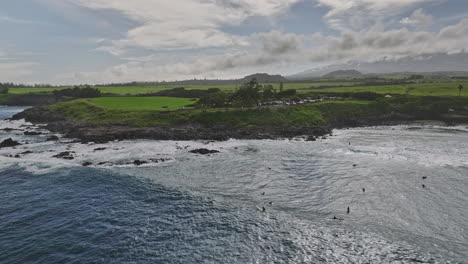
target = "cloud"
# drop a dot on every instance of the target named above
(16, 72)
(353, 14)
(11, 20)
(277, 43)
(277, 49)
(376, 43)
(390, 7)
(183, 24)
(418, 19)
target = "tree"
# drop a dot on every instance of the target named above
(216, 99)
(460, 88)
(78, 92)
(281, 87)
(408, 90)
(268, 92)
(248, 94)
(286, 94)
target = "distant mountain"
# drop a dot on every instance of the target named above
(261, 78)
(343, 74)
(417, 64)
(264, 78)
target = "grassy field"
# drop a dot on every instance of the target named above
(134, 90)
(301, 115)
(140, 103)
(418, 89)
(436, 88)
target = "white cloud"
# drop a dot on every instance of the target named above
(17, 71)
(389, 7)
(278, 49)
(353, 14)
(183, 24)
(187, 38)
(7, 19)
(418, 19)
(277, 43)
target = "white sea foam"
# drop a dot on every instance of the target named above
(303, 179)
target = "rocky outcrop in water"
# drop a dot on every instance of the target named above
(52, 138)
(203, 151)
(32, 133)
(8, 143)
(40, 115)
(87, 164)
(68, 155)
(139, 162)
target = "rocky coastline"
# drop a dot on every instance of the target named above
(102, 133)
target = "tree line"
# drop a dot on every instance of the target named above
(249, 94)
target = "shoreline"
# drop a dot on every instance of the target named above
(102, 133)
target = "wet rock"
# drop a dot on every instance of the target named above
(32, 133)
(139, 162)
(86, 164)
(17, 156)
(52, 138)
(105, 163)
(203, 151)
(157, 160)
(26, 152)
(8, 129)
(99, 149)
(7, 143)
(311, 138)
(68, 155)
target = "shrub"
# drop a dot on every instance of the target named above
(78, 92)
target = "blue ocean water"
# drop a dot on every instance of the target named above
(209, 209)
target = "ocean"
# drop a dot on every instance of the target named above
(259, 201)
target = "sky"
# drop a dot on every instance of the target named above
(105, 41)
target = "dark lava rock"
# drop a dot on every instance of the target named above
(157, 160)
(139, 162)
(26, 152)
(99, 149)
(86, 164)
(32, 133)
(203, 151)
(68, 155)
(52, 138)
(39, 115)
(7, 143)
(311, 138)
(17, 156)
(9, 129)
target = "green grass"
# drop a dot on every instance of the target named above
(435, 88)
(134, 90)
(141, 103)
(3, 98)
(300, 115)
(418, 89)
